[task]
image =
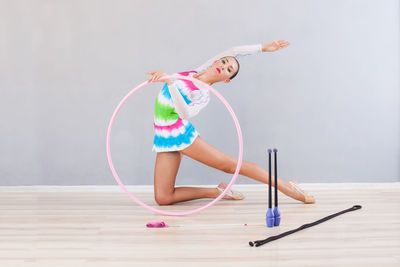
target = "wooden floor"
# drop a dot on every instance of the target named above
(99, 226)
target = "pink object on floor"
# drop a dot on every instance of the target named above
(156, 224)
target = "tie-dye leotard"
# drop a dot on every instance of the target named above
(173, 132)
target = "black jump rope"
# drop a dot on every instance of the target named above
(273, 218)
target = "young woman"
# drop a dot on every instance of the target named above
(175, 136)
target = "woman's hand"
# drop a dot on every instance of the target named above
(156, 75)
(275, 45)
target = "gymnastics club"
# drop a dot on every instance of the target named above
(270, 215)
(277, 214)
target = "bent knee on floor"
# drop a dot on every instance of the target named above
(164, 199)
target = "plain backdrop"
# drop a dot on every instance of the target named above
(330, 102)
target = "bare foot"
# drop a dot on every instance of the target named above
(307, 198)
(232, 195)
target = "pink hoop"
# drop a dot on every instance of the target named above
(240, 140)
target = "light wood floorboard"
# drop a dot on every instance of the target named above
(60, 227)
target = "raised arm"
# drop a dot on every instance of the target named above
(232, 52)
(245, 50)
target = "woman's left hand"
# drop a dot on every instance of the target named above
(275, 45)
(156, 75)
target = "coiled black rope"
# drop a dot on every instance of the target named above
(258, 243)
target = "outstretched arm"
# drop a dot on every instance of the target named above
(232, 52)
(245, 50)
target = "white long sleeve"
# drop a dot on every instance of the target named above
(235, 51)
(199, 99)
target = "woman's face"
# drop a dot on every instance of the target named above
(223, 68)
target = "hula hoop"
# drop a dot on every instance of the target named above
(240, 141)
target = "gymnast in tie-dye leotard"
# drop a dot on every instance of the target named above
(175, 136)
(173, 132)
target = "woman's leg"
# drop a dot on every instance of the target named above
(165, 171)
(203, 152)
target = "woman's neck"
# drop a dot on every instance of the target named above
(202, 76)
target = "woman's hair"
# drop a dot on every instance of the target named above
(234, 75)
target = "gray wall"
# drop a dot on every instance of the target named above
(329, 102)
